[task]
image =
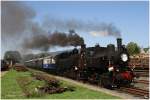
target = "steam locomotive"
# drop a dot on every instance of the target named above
(106, 66)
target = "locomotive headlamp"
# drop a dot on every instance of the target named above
(76, 68)
(111, 69)
(124, 57)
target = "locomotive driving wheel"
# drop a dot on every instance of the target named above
(106, 81)
(71, 73)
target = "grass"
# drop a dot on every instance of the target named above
(29, 85)
(80, 93)
(10, 88)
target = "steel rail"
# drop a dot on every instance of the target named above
(136, 91)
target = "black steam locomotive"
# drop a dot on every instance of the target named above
(107, 66)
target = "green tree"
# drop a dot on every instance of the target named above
(133, 48)
(13, 56)
(146, 49)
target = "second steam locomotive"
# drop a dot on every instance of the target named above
(106, 66)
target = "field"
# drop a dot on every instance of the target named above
(11, 88)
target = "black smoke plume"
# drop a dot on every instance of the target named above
(17, 23)
(36, 42)
(64, 39)
(44, 42)
(94, 27)
(16, 17)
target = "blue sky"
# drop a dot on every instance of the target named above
(131, 18)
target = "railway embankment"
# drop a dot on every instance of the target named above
(91, 87)
(24, 84)
(131, 94)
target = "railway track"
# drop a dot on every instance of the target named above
(142, 72)
(142, 81)
(136, 91)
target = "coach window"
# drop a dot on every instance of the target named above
(49, 61)
(53, 61)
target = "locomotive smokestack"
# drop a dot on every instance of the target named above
(83, 47)
(119, 43)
